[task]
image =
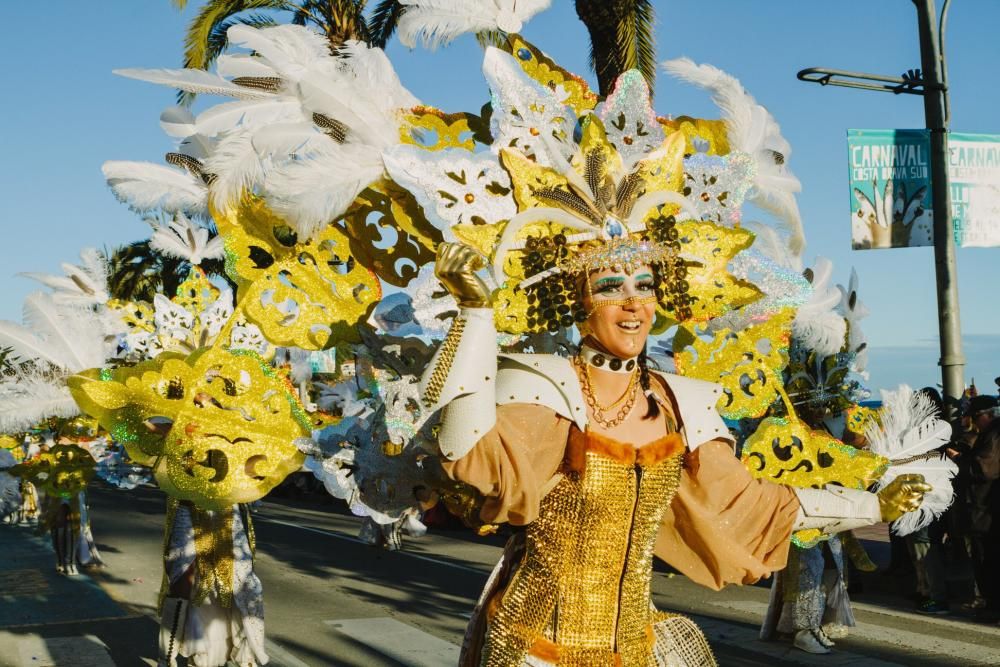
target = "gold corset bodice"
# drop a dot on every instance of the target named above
(581, 594)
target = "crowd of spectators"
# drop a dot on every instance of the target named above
(956, 560)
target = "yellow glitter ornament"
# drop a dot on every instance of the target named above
(63, 470)
(746, 363)
(219, 424)
(300, 294)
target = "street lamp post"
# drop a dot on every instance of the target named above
(930, 82)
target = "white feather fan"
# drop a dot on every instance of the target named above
(145, 187)
(751, 129)
(316, 189)
(26, 401)
(236, 166)
(908, 435)
(182, 239)
(438, 22)
(817, 324)
(68, 338)
(854, 311)
(195, 81)
(84, 285)
(291, 50)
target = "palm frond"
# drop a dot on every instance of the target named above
(200, 51)
(218, 40)
(621, 38)
(383, 21)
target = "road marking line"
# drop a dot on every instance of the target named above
(932, 644)
(399, 641)
(349, 538)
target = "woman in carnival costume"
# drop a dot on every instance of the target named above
(606, 463)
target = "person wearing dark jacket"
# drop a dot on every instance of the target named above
(983, 467)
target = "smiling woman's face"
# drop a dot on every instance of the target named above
(621, 308)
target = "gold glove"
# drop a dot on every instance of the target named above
(456, 267)
(904, 494)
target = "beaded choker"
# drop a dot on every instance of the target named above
(607, 362)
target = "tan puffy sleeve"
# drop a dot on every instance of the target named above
(515, 462)
(724, 526)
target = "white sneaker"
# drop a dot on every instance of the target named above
(808, 641)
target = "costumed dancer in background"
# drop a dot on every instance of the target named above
(809, 600)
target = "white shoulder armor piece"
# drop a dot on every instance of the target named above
(696, 400)
(542, 379)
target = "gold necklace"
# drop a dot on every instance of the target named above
(628, 390)
(596, 409)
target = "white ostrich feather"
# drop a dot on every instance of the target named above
(438, 22)
(768, 242)
(182, 239)
(853, 310)
(237, 168)
(817, 324)
(66, 337)
(753, 130)
(316, 189)
(29, 400)
(339, 97)
(910, 427)
(177, 122)
(84, 285)
(232, 65)
(374, 73)
(195, 81)
(228, 116)
(290, 140)
(145, 187)
(290, 49)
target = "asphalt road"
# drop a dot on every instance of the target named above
(330, 600)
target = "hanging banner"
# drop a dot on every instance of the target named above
(890, 178)
(974, 175)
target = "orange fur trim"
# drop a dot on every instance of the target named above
(669, 445)
(615, 450)
(545, 649)
(664, 448)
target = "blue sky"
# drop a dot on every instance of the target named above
(64, 113)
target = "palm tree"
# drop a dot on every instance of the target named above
(621, 38)
(339, 20)
(621, 31)
(136, 272)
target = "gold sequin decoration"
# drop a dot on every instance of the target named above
(137, 316)
(483, 238)
(712, 131)
(386, 211)
(443, 362)
(434, 130)
(510, 311)
(545, 71)
(195, 294)
(748, 363)
(219, 424)
(214, 564)
(786, 451)
(527, 177)
(308, 294)
(587, 567)
(712, 246)
(64, 470)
